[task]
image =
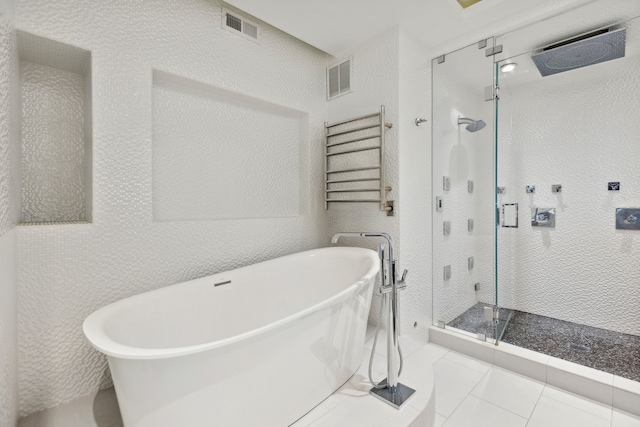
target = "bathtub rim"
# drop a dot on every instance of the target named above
(93, 330)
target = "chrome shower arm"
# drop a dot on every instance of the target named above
(465, 121)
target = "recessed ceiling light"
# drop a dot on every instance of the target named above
(466, 3)
(508, 67)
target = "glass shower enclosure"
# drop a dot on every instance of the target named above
(536, 222)
(463, 153)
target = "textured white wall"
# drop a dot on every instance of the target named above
(414, 203)
(56, 130)
(52, 144)
(9, 120)
(579, 129)
(203, 132)
(462, 156)
(393, 70)
(8, 331)
(68, 271)
(375, 82)
(9, 214)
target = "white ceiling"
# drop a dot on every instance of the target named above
(338, 26)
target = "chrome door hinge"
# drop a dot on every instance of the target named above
(491, 314)
(493, 50)
(491, 93)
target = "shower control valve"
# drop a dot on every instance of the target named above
(400, 284)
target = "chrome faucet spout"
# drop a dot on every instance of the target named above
(386, 236)
(336, 236)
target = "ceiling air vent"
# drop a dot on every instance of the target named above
(239, 25)
(339, 79)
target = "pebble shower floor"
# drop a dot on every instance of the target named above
(602, 349)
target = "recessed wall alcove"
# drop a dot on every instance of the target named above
(56, 131)
(219, 154)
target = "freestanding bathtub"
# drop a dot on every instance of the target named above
(256, 346)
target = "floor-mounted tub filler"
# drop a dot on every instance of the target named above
(389, 390)
(256, 346)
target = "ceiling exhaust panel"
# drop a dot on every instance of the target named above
(581, 53)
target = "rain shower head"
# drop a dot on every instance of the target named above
(591, 49)
(472, 125)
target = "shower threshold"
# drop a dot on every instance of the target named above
(612, 352)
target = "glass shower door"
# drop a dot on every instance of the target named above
(463, 218)
(567, 155)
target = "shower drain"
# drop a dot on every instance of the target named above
(580, 348)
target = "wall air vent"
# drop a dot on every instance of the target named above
(339, 79)
(238, 24)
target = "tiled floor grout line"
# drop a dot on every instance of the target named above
(536, 405)
(528, 419)
(500, 407)
(456, 408)
(611, 423)
(581, 397)
(436, 385)
(609, 407)
(468, 394)
(497, 406)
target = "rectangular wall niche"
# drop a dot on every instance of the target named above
(56, 131)
(218, 154)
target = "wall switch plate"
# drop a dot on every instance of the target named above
(470, 263)
(446, 183)
(470, 224)
(446, 228)
(613, 186)
(470, 186)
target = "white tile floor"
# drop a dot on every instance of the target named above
(469, 393)
(472, 393)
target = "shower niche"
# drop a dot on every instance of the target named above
(56, 131)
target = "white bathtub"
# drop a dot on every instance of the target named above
(261, 350)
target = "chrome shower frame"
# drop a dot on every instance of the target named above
(393, 392)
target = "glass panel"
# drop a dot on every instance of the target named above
(463, 177)
(568, 152)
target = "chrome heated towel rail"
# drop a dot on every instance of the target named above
(346, 171)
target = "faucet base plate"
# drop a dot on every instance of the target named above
(397, 399)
